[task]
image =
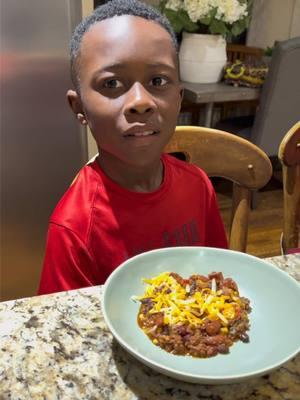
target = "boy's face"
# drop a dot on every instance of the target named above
(130, 91)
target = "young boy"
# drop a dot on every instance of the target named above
(132, 198)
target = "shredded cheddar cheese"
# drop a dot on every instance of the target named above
(179, 306)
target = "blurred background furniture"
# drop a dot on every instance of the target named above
(243, 163)
(198, 96)
(243, 53)
(278, 107)
(247, 54)
(206, 95)
(279, 102)
(289, 156)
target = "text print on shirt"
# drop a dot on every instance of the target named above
(185, 235)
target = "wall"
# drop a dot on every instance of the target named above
(273, 20)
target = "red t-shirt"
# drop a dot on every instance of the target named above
(98, 224)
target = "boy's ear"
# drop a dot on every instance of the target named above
(76, 106)
(181, 92)
(181, 97)
(74, 101)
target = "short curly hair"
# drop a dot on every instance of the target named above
(109, 10)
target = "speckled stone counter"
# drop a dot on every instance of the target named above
(58, 347)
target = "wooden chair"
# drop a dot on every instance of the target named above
(222, 154)
(243, 53)
(289, 156)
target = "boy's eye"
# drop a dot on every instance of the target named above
(158, 81)
(112, 84)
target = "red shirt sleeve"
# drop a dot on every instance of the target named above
(68, 264)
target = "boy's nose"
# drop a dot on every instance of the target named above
(139, 100)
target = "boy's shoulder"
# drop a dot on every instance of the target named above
(74, 210)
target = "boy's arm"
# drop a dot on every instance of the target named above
(68, 264)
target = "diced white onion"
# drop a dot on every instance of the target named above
(213, 285)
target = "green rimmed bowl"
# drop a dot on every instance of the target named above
(275, 328)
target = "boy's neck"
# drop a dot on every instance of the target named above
(142, 179)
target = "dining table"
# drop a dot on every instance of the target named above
(220, 92)
(58, 346)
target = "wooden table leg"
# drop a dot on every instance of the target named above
(208, 114)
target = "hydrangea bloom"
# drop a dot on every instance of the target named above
(228, 11)
(174, 4)
(197, 9)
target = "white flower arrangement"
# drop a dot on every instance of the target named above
(226, 17)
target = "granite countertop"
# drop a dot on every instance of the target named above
(59, 347)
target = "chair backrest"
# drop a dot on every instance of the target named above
(243, 53)
(279, 106)
(289, 155)
(222, 154)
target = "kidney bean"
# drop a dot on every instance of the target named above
(212, 327)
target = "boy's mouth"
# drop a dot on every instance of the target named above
(141, 133)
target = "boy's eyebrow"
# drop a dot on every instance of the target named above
(117, 66)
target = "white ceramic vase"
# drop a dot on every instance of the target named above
(202, 57)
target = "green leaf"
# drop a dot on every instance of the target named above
(188, 24)
(174, 20)
(213, 13)
(268, 51)
(218, 27)
(205, 21)
(208, 20)
(161, 5)
(250, 6)
(247, 20)
(238, 27)
(180, 20)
